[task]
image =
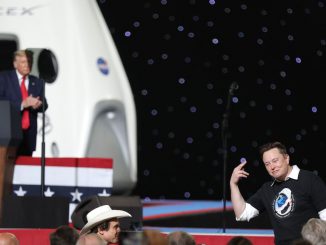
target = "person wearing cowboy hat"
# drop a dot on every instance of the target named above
(104, 221)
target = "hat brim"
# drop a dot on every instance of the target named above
(97, 220)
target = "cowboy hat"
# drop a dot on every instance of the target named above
(100, 214)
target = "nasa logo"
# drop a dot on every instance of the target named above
(102, 66)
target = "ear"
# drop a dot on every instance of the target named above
(287, 158)
(100, 231)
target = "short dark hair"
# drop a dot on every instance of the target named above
(64, 235)
(180, 238)
(301, 241)
(102, 226)
(271, 145)
(239, 240)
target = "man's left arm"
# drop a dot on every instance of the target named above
(39, 96)
(40, 108)
(318, 193)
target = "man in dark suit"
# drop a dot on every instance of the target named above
(25, 92)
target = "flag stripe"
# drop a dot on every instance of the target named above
(63, 176)
(68, 162)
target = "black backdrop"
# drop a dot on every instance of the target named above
(182, 56)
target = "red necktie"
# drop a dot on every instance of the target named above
(25, 116)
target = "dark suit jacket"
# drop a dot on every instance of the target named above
(10, 90)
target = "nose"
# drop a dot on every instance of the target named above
(271, 165)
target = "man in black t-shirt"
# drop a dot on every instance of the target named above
(290, 199)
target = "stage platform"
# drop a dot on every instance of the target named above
(203, 219)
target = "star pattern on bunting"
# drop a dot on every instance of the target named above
(20, 192)
(48, 192)
(76, 196)
(104, 193)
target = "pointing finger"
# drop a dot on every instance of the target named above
(241, 165)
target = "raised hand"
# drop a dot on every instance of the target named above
(238, 173)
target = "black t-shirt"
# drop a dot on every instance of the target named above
(290, 204)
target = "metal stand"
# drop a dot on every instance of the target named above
(43, 142)
(225, 136)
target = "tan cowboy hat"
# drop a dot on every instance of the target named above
(100, 214)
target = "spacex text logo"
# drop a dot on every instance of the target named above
(18, 11)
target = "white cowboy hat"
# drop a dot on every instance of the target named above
(100, 214)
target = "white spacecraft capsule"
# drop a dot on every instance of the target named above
(91, 106)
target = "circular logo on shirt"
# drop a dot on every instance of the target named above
(103, 66)
(283, 203)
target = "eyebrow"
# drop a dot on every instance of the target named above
(275, 158)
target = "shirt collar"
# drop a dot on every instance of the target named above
(293, 175)
(20, 76)
(20, 79)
